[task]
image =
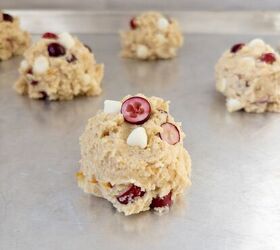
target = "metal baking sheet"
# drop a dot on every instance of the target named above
(234, 202)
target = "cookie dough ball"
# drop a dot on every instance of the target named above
(59, 67)
(249, 77)
(151, 36)
(133, 155)
(13, 40)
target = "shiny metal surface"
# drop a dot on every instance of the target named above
(233, 204)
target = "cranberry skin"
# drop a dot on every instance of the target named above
(56, 50)
(268, 58)
(133, 24)
(49, 35)
(136, 110)
(236, 47)
(130, 194)
(89, 48)
(164, 201)
(170, 133)
(7, 18)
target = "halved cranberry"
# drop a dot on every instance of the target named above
(236, 47)
(133, 24)
(49, 35)
(136, 110)
(268, 58)
(170, 133)
(164, 201)
(89, 48)
(7, 18)
(130, 194)
(56, 50)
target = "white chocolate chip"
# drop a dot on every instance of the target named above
(160, 38)
(41, 65)
(221, 85)
(112, 106)
(247, 62)
(24, 65)
(162, 24)
(142, 51)
(138, 137)
(256, 43)
(86, 78)
(233, 104)
(66, 40)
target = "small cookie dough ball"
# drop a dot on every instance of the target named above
(13, 40)
(133, 155)
(59, 67)
(151, 36)
(249, 77)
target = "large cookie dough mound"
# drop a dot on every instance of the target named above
(152, 36)
(249, 76)
(13, 41)
(133, 155)
(59, 67)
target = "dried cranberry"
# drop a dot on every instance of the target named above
(49, 35)
(136, 110)
(236, 47)
(44, 95)
(170, 133)
(130, 194)
(30, 71)
(89, 48)
(164, 201)
(34, 83)
(56, 50)
(71, 58)
(268, 58)
(7, 18)
(133, 24)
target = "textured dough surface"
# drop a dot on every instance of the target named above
(13, 40)
(109, 165)
(150, 40)
(247, 82)
(65, 78)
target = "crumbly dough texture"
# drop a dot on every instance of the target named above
(109, 165)
(13, 40)
(247, 82)
(148, 41)
(63, 80)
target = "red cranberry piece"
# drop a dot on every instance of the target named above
(136, 110)
(49, 35)
(236, 47)
(164, 201)
(89, 48)
(56, 50)
(268, 58)
(7, 18)
(30, 71)
(44, 95)
(34, 83)
(170, 133)
(133, 24)
(130, 194)
(72, 58)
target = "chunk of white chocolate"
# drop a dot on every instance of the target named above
(66, 40)
(24, 65)
(142, 51)
(138, 137)
(162, 24)
(233, 105)
(41, 65)
(112, 106)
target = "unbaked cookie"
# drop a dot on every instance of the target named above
(249, 76)
(151, 36)
(13, 40)
(59, 67)
(132, 154)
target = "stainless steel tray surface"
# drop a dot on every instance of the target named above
(233, 204)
